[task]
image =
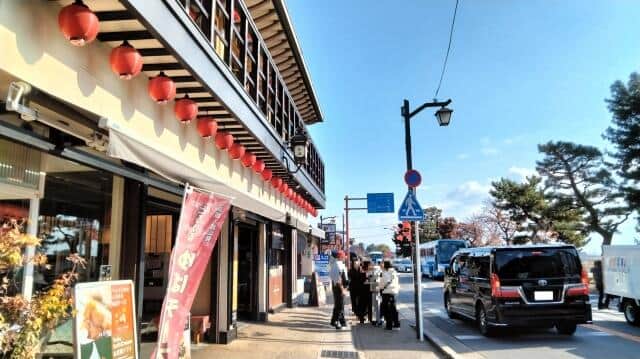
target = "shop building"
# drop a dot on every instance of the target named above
(99, 167)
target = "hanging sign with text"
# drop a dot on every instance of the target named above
(201, 219)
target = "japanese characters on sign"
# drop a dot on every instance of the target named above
(105, 323)
(201, 219)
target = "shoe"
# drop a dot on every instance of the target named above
(396, 328)
(338, 326)
(361, 320)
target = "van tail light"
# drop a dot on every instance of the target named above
(497, 291)
(581, 289)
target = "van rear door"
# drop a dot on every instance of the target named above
(541, 272)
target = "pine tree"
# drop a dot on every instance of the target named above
(540, 217)
(579, 179)
(624, 133)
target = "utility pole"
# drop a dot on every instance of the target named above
(444, 116)
(347, 237)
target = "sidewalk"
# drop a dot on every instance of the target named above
(304, 332)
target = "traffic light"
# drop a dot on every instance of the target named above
(406, 228)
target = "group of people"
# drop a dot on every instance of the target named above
(372, 290)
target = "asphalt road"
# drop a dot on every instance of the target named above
(609, 337)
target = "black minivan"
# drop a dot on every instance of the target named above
(518, 286)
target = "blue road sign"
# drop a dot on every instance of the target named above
(410, 210)
(380, 203)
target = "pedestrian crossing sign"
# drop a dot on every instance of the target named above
(410, 210)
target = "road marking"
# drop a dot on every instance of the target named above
(469, 337)
(613, 332)
(590, 333)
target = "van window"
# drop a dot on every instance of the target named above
(479, 267)
(538, 263)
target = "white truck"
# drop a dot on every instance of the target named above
(621, 277)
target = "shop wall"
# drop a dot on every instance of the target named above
(33, 46)
(202, 302)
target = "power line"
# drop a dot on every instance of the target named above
(446, 58)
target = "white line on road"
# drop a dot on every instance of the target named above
(590, 333)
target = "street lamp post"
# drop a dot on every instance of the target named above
(444, 117)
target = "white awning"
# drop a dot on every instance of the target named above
(125, 145)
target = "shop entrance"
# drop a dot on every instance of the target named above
(161, 226)
(247, 272)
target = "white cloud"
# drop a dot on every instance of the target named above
(462, 156)
(522, 171)
(512, 140)
(489, 151)
(464, 200)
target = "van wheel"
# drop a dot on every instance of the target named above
(481, 319)
(447, 307)
(566, 328)
(631, 313)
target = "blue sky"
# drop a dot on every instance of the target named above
(520, 73)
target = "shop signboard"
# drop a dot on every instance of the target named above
(322, 268)
(329, 233)
(105, 324)
(201, 219)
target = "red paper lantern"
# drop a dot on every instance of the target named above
(236, 16)
(248, 159)
(267, 174)
(207, 127)
(236, 151)
(276, 182)
(125, 61)
(224, 140)
(78, 23)
(162, 89)
(258, 166)
(186, 109)
(283, 188)
(289, 193)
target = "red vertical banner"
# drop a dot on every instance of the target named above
(201, 219)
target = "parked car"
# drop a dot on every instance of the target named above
(518, 286)
(403, 265)
(621, 275)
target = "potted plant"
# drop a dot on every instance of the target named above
(26, 323)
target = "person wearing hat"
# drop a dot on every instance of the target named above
(339, 280)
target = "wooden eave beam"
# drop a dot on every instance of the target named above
(190, 89)
(160, 51)
(125, 35)
(181, 79)
(283, 56)
(117, 15)
(264, 16)
(260, 6)
(162, 67)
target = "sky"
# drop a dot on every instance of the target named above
(520, 73)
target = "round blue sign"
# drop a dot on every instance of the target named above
(412, 178)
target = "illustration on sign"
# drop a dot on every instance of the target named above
(410, 210)
(104, 325)
(380, 203)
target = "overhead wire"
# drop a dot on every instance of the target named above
(446, 58)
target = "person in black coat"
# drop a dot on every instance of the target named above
(365, 294)
(356, 282)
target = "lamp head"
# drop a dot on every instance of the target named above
(444, 116)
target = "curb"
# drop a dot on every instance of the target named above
(440, 340)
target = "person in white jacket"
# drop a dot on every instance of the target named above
(389, 285)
